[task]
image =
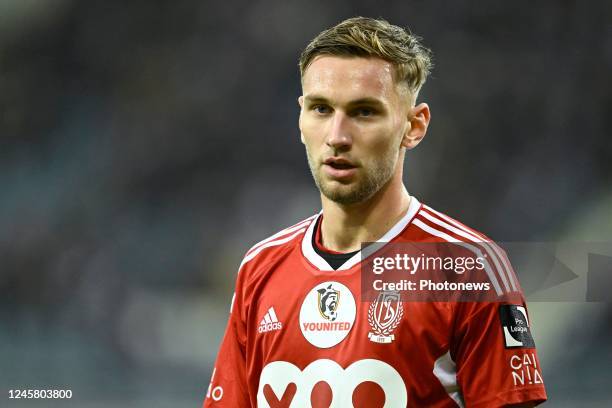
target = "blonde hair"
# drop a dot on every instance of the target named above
(368, 37)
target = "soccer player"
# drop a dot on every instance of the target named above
(299, 333)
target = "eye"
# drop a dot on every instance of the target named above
(365, 112)
(321, 109)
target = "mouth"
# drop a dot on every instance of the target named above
(339, 168)
(339, 163)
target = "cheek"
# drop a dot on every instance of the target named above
(312, 133)
(382, 139)
(380, 147)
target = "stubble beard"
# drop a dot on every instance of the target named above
(372, 180)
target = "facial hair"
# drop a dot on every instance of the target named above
(372, 180)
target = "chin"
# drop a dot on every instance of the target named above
(345, 195)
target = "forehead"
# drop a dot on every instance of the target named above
(335, 77)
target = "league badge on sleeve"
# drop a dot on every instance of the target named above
(515, 326)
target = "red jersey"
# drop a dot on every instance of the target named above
(299, 334)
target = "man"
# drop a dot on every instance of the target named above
(300, 334)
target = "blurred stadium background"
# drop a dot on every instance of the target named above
(145, 145)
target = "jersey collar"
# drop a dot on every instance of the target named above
(311, 255)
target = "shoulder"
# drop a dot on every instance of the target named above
(270, 248)
(442, 227)
(260, 258)
(437, 227)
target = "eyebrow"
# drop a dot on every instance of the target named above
(360, 101)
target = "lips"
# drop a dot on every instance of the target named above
(339, 163)
(339, 168)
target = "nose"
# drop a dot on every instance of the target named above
(339, 134)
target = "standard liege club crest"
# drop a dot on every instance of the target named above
(384, 315)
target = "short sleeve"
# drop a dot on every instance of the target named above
(497, 362)
(228, 384)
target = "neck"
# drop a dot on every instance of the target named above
(346, 227)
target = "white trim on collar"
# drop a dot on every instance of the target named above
(311, 255)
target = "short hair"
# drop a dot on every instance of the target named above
(368, 37)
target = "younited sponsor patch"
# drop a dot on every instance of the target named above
(515, 326)
(327, 314)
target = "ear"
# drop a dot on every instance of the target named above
(418, 118)
(301, 103)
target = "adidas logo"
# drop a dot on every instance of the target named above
(269, 322)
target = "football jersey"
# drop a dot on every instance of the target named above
(300, 334)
